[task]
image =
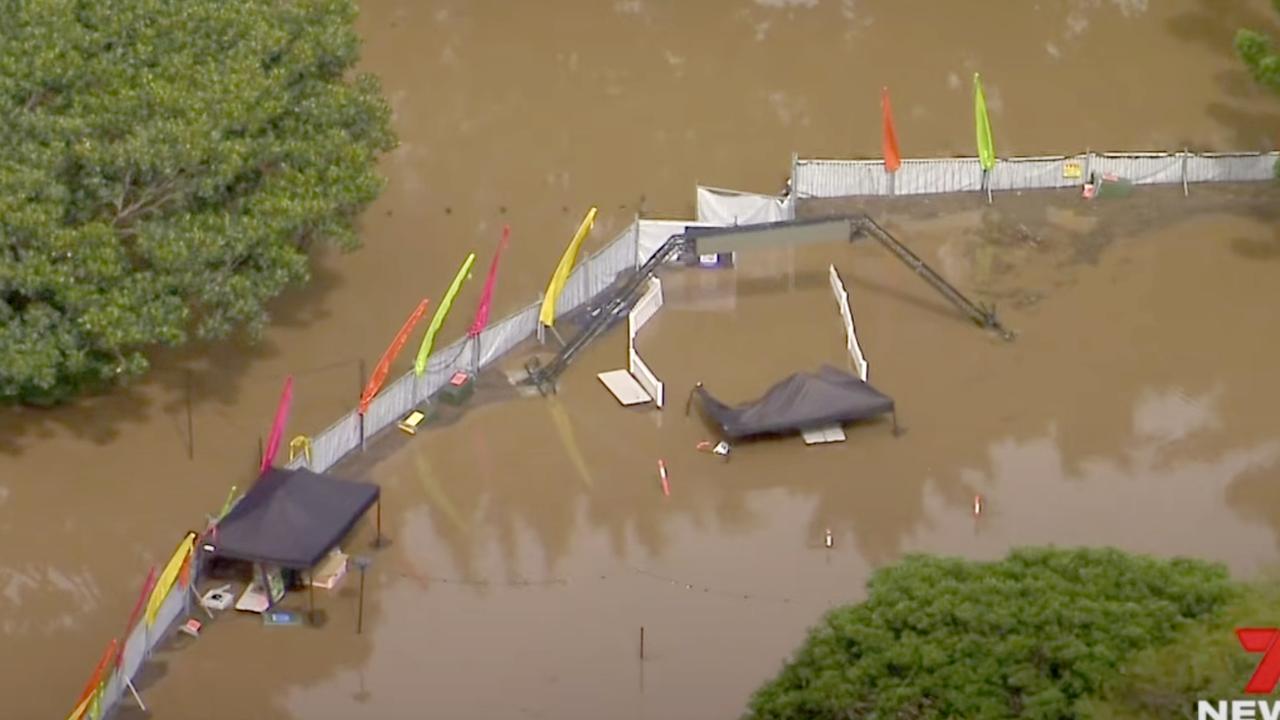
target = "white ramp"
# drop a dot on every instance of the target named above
(624, 387)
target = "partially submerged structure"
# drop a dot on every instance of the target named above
(291, 520)
(801, 402)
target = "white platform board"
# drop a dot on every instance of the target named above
(624, 387)
(829, 434)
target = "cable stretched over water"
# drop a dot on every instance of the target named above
(523, 583)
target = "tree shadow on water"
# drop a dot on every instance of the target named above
(203, 372)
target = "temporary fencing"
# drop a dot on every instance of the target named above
(846, 317)
(717, 206)
(162, 602)
(170, 598)
(841, 178)
(644, 310)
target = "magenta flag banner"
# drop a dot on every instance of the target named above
(486, 296)
(277, 427)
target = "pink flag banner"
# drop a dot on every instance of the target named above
(277, 427)
(486, 296)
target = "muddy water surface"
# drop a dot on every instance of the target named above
(533, 541)
(528, 114)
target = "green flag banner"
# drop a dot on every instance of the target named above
(986, 146)
(442, 310)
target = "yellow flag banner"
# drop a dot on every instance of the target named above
(81, 709)
(169, 576)
(547, 316)
(442, 311)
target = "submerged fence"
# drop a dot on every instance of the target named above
(167, 598)
(841, 178)
(400, 397)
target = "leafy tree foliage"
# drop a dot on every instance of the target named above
(1205, 662)
(164, 167)
(1261, 56)
(1032, 636)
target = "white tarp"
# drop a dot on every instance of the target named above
(846, 316)
(717, 206)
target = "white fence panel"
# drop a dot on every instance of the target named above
(501, 337)
(717, 206)
(1038, 172)
(647, 379)
(1142, 169)
(922, 177)
(839, 178)
(846, 318)
(328, 447)
(1231, 167)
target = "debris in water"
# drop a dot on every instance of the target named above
(722, 449)
(662, 472)
(977, 505)
(828, 540)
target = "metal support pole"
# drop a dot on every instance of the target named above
(311, 599)
(1186, 192)
(362, 563)
(377, 538)
(138, 698)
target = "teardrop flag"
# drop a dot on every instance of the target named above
(986, 146)
(379, 375)
(547, 315)
(442, 311)
(889, 141)
(486, 296)
(277, 427)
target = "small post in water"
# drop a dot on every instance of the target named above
(362, 563)
(641, 642)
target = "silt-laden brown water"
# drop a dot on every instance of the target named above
(528, 114)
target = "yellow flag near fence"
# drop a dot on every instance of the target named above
(169, 576)
(547, 316)
(982, 123)
(442, 311)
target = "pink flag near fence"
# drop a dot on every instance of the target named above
(147, 586)
(486, 296)
(277, 427)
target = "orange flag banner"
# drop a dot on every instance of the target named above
(384, 365)
(95, 682)
(892, 156)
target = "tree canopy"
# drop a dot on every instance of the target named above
(1259, 53)
(164, 167)
(1037, 635)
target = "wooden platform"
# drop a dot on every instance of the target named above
(829, 434)
(624, 387)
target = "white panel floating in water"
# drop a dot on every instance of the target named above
(624, 387)
(829, 434)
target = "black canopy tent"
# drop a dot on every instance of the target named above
(293, 518)
(800, 402)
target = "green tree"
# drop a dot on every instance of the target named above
(164, 167)
(1033, 636)
(1259, 53)
(1205, 662)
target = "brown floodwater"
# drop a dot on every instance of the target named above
(532, 542)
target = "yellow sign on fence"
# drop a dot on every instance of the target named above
(302, 444)
(1072, 171)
